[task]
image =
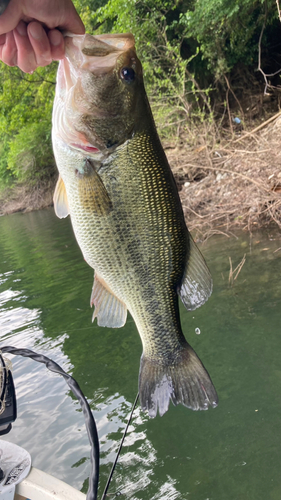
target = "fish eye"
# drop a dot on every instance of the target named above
(128, 74)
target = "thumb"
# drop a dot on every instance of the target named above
(72, 22)
(10, 14)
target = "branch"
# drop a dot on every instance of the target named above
(239, 174)
(271, 119)
(233, 93)
(278, 8)
(259, 56)
(22, 77)
(202, 93)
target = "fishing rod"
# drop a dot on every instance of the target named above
(8, 411)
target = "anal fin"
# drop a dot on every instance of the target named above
(197, 284)
(109, 310)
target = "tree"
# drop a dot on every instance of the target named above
(186, 47)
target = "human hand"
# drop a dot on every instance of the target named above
(28, 34)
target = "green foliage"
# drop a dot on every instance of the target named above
(30, 158)
(186, 47)
(158, 35)
(85, 8)
(25, 124)
(227, 32)
(26, 103)
(5, 175)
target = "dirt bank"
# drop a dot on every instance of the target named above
(25, 199)
(224, 185)
(235, 184)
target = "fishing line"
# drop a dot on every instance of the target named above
(88, 416)
(4, 381)
(119, 449)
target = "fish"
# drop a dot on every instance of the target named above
(117, 186)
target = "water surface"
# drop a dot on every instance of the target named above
(231, 452)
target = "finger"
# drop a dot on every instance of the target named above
(40, 43)
(9, 50)
(65, 18)
(72, 22)
(57, 44)
(26, 57)
(10, 18)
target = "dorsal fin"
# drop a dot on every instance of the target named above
(60, 200)
(109, 310)
(197, 284)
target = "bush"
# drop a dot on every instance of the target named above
(5, 175)
(30, 158)
(186, 48)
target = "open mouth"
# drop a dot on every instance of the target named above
(88, 148)
(97, 54)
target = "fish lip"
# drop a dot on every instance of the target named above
(111, 42)
(98, 53)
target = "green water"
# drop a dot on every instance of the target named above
(229, 453)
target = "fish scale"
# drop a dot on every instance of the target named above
(154, 222)
(127, 216)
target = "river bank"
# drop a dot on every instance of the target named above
(224, 185)
(234, 184)
(21, 198)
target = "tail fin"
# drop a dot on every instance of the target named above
(183, 380)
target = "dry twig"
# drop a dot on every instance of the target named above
(223, 188)
(233, 274)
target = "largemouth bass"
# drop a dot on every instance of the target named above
(117, 186)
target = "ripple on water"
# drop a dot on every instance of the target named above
(44, 305)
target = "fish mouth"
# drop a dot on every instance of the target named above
(97, 55)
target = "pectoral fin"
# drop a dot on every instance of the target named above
(92, 192)
(197, 284)
(109, 310)
(60, 200)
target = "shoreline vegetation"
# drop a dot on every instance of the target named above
(233, 184)
(212, 72)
